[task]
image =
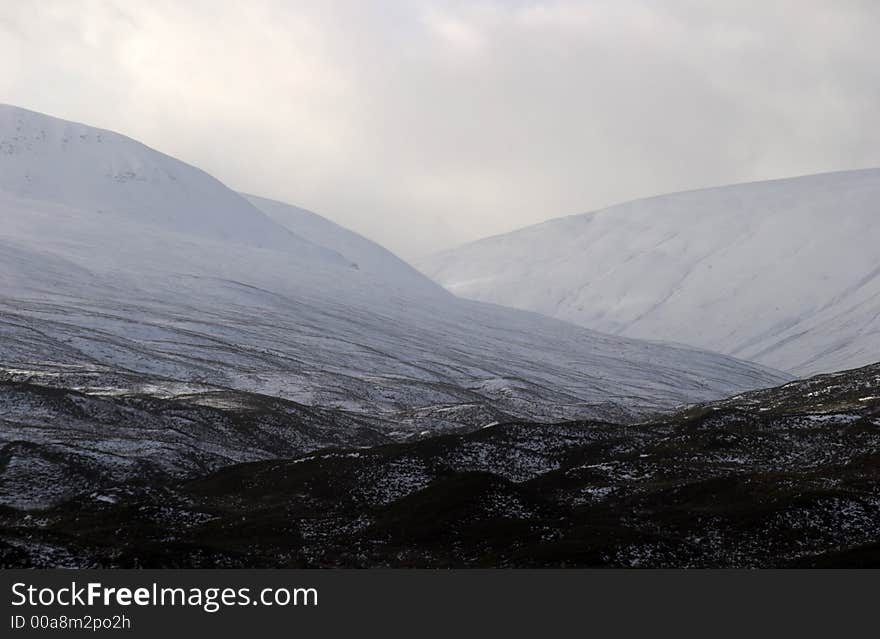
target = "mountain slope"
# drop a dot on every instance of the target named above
(51, 160)
(785, 273)
(367, 255)
(776, 478)
(148, 278)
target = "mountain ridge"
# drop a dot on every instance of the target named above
(780, 272)
(44, 158)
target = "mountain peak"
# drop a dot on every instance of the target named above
(48, 159)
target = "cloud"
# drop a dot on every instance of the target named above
(425, 123)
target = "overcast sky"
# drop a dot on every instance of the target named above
(427, 124)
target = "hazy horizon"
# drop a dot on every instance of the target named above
(430, 124)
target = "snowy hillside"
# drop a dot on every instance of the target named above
(118, 262)
(51, 160)
(785, 273)
(368, 256)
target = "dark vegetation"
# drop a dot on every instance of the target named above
(781, 477)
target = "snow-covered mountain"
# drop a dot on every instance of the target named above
(70, 164)
(119, 263)
(784, 272)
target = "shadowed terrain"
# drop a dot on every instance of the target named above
(779, 477)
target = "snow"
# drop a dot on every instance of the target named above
(785, 273)
(367, 255)
(116, 257)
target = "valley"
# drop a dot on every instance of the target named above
(196, 377)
